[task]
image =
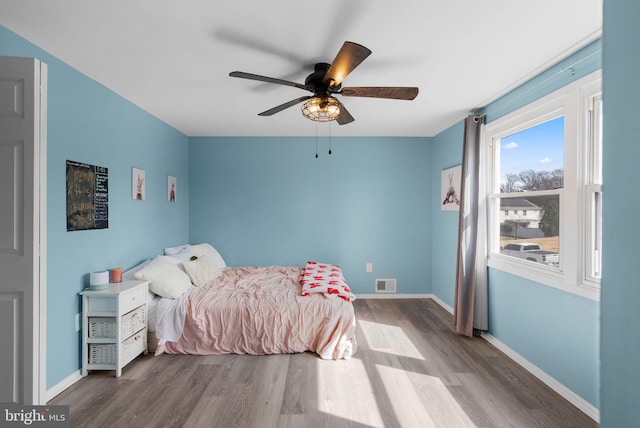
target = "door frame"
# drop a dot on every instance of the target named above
(40, 288)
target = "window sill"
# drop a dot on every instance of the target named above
(543, 274)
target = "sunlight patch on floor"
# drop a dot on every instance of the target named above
(420, 400)
(389, 339)
(337, 396)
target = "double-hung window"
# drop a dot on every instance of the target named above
(544, 189)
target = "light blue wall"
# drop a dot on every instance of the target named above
(91, 124)
(556, 331)
(446, 152)
(264, 201)
(578, 65)
(621, 271)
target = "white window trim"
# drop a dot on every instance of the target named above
(592, 186)
(572, 101)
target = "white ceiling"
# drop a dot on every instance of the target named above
(172, 58)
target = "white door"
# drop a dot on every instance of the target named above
(22, 230)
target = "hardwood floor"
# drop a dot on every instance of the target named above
(411, 370)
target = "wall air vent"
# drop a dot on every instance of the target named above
(386, 285)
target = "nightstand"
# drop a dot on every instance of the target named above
(114, 326)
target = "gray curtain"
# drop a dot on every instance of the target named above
(470, 306)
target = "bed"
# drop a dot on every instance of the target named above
(198, 305)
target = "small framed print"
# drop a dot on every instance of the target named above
(451, 181)
(171, 188)
(137, 184)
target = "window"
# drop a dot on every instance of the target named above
(545, 189)
(531, 174)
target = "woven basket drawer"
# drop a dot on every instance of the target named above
(133, 321)
(102, 354)
(102, 327)
(106, 327)
(107, 353)
(134, 345)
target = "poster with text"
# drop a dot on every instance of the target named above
(87, 196)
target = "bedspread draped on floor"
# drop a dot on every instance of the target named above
(259, 310)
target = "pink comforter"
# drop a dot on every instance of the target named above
(259, 310)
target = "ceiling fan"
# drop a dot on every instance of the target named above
(326, 81)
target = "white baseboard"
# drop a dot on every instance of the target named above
(394, 296)
(443, 304)
(586, 407)
(63, 384)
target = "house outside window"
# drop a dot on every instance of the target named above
(544, 189)
(520, 225)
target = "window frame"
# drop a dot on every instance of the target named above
(575, 102)
(593, 194)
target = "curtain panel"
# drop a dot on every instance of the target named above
(470, 306)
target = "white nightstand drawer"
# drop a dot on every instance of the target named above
(133, 321)
(132, 299)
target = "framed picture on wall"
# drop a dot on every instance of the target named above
(137, 184)
(87, 196)
(171, 188)
(451, 182)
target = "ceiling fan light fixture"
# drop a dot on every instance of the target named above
(321, 109)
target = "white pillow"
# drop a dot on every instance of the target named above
(175, 259)
(202, 270)
(131, 272)
(207, 250)
(170, 251)
(165, 279)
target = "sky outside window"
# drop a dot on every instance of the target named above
(539, 148)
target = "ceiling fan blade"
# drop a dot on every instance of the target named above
(349, 57)
(345, 117)
(243, 75)
(396, 93)
(286, 105)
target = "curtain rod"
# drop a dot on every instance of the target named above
(527, 90)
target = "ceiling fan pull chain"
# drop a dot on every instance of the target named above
(329, 138)
(316, 141)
